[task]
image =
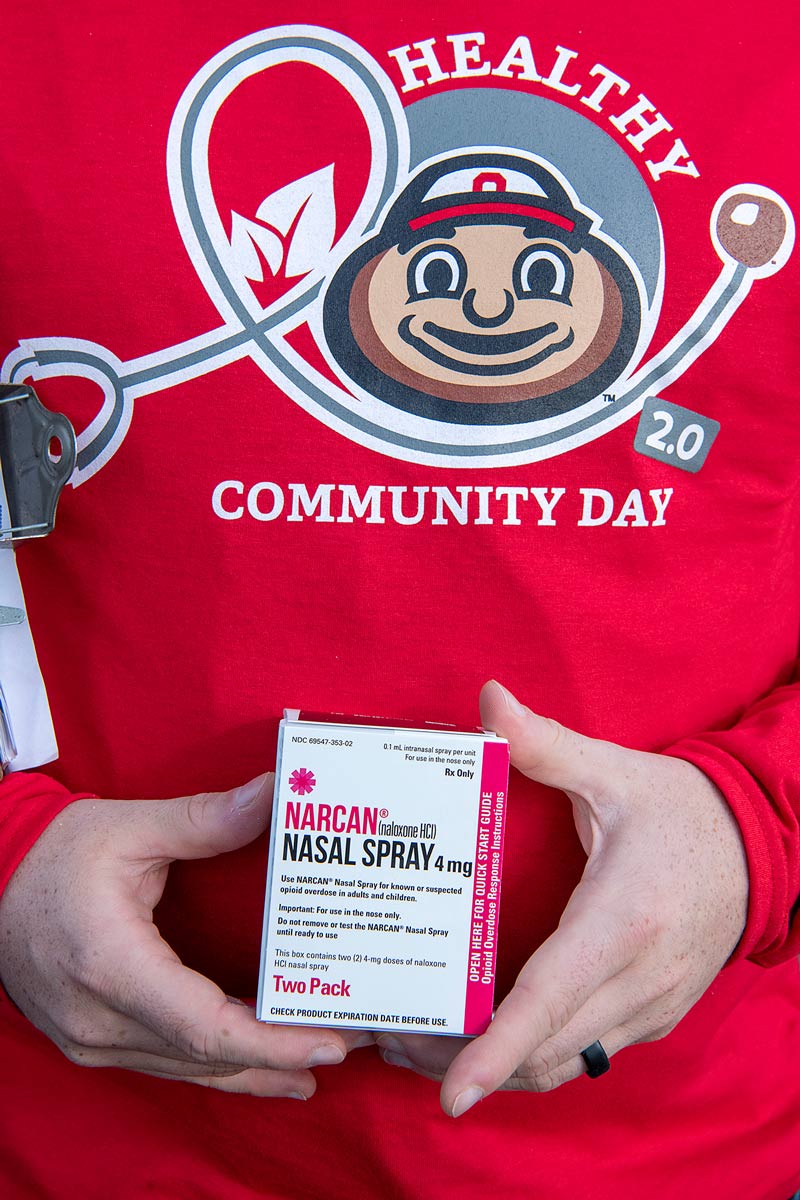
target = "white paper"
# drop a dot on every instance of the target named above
(22, 680)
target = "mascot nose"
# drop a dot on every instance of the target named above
(475, 318)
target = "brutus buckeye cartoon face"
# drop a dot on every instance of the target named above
(484, 299)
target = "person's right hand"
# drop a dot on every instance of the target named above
(81, 956)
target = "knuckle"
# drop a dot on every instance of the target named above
(543, 1062)
(644, 927)
(195, 810)
(77, 1039)
(653, 1035)
(74, 1031)
(557, 1006)
(199, 1043)
(546, 1081)
(557, 732)
(81, 966)
(559, 1009)
(73, 1051)
(220, 1071)
(645, 1000)
(80, 1030)
(98, 991)
(542, 1071)
(637, 932)
(559, 736)
(661, 1031)
(192, 1041)
(651, 1025)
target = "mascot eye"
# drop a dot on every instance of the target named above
(543, 274)
(437, 271)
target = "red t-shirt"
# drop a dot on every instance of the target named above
(449, 344)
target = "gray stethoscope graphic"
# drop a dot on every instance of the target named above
(752, 233)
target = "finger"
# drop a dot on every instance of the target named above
(357, 1039)
(612, 1042)
(91, 1032)
(626, 1006)
(264, 1083)
(546, 751)
(91, 1027)
(189, 1012)
(528, 1077)
(200, 826)
(525, 1077)
(253, 1081)
(425, 1054)
(406, 1064)
(354, 1039)
(589, 947)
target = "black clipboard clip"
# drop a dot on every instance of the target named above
(37, 457)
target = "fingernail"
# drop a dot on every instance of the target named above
(465, 1100)
(295, 1096)
(325, 1056)
(387, 1042)
(366, 1040)
(512, 703)
(248, 793)
(396, 1060)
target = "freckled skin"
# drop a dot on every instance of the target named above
(569, 324)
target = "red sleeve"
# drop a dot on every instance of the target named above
(756, 765)
(28, 803)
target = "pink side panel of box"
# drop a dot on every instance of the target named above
(494, 789)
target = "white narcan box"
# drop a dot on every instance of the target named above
(383, 892)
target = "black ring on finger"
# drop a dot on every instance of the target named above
(596, 1059)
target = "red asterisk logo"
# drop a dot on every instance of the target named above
(302, 781)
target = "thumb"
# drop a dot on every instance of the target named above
(544, 750)
(204, 825)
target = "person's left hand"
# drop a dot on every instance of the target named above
(659, 909)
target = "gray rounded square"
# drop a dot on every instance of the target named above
(675, 435)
